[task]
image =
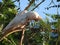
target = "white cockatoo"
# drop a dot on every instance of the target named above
(15, 22)
(21, 20)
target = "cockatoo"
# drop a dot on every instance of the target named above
(21, 19)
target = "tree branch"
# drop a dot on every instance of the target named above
(8, 32)
(38, 5)
(22, 37)
(31, 2)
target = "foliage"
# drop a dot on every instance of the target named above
(34, 35)
(7, 12)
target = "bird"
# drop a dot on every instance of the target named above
(20, 20)
(14, 21)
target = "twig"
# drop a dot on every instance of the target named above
(52, 6)
(51, 2)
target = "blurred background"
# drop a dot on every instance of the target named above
(43, 32)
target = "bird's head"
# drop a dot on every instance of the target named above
(32, 15)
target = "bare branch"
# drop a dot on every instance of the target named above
(31, 2)
(22, 37)
(38, 5)
(9, 32)
(52, 6)
(51, 2)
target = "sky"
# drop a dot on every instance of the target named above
(41, 8)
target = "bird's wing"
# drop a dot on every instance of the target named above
(17, 20)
